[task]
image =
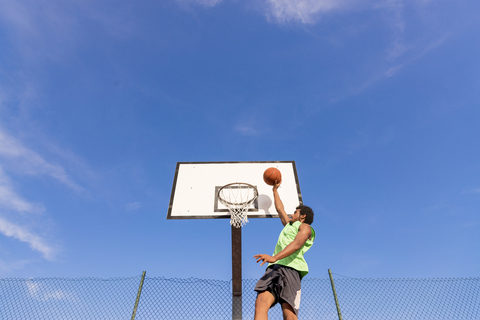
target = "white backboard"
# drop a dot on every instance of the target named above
(195, 187)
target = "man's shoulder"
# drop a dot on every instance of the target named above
(301, 225)
(306, 226)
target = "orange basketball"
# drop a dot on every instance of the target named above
(272, 174)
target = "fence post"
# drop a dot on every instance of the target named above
(335, 295)
(138, 296)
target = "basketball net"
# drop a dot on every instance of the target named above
(238, 197)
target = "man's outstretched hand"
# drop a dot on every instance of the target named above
(264, 258)
(277, 184)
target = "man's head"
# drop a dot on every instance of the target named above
(303, 214)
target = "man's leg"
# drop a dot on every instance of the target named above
(288, 313)
(263, 303)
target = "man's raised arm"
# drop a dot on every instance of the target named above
(279, 205)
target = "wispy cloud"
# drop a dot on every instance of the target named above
(424, 50)
(417, 52)
(284, 11)
(394, 18)
(42, 292)
(29, 162)
(55, 29)
(31, 26)
(246, 130)
(133, 206)
(22, 233)
(17, 160)
(208, 3)
(304, 11)
(248, 124)
(11, 200)
(472, 191)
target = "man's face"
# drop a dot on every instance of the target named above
(295, 216)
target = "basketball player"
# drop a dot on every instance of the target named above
(281, 281)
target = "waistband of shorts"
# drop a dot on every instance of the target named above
(283, 266)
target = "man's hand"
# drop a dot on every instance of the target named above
(277, 184)
(264, 258)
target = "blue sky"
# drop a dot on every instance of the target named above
(377, 102)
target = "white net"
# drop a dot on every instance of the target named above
(238, 197)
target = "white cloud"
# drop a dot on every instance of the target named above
(472, 191)
(55, 29)
(284, 11)
(425, 49)
(208, 3)
(10, 200)
(246, 130)
(16, 13)
(304, 11)
(41, 292)
(19, 160)
(133, 206)
(21, 233)
(31, 25)
(29, 162)
(32, 287)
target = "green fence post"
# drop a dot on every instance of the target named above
(335, 295)
(138, 295)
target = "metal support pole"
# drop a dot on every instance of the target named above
(335, 295)
(236, 273)
(138, 295)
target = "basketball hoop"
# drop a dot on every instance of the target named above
(237, 197)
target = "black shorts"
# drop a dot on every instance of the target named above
(283, 283)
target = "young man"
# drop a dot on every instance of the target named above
(281, 281)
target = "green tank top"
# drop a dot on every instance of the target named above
(296, 259)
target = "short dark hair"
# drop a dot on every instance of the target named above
(306, 211)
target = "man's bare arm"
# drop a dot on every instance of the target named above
(279, 205)
(304, 232)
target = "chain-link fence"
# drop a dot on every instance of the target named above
(161, 298)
